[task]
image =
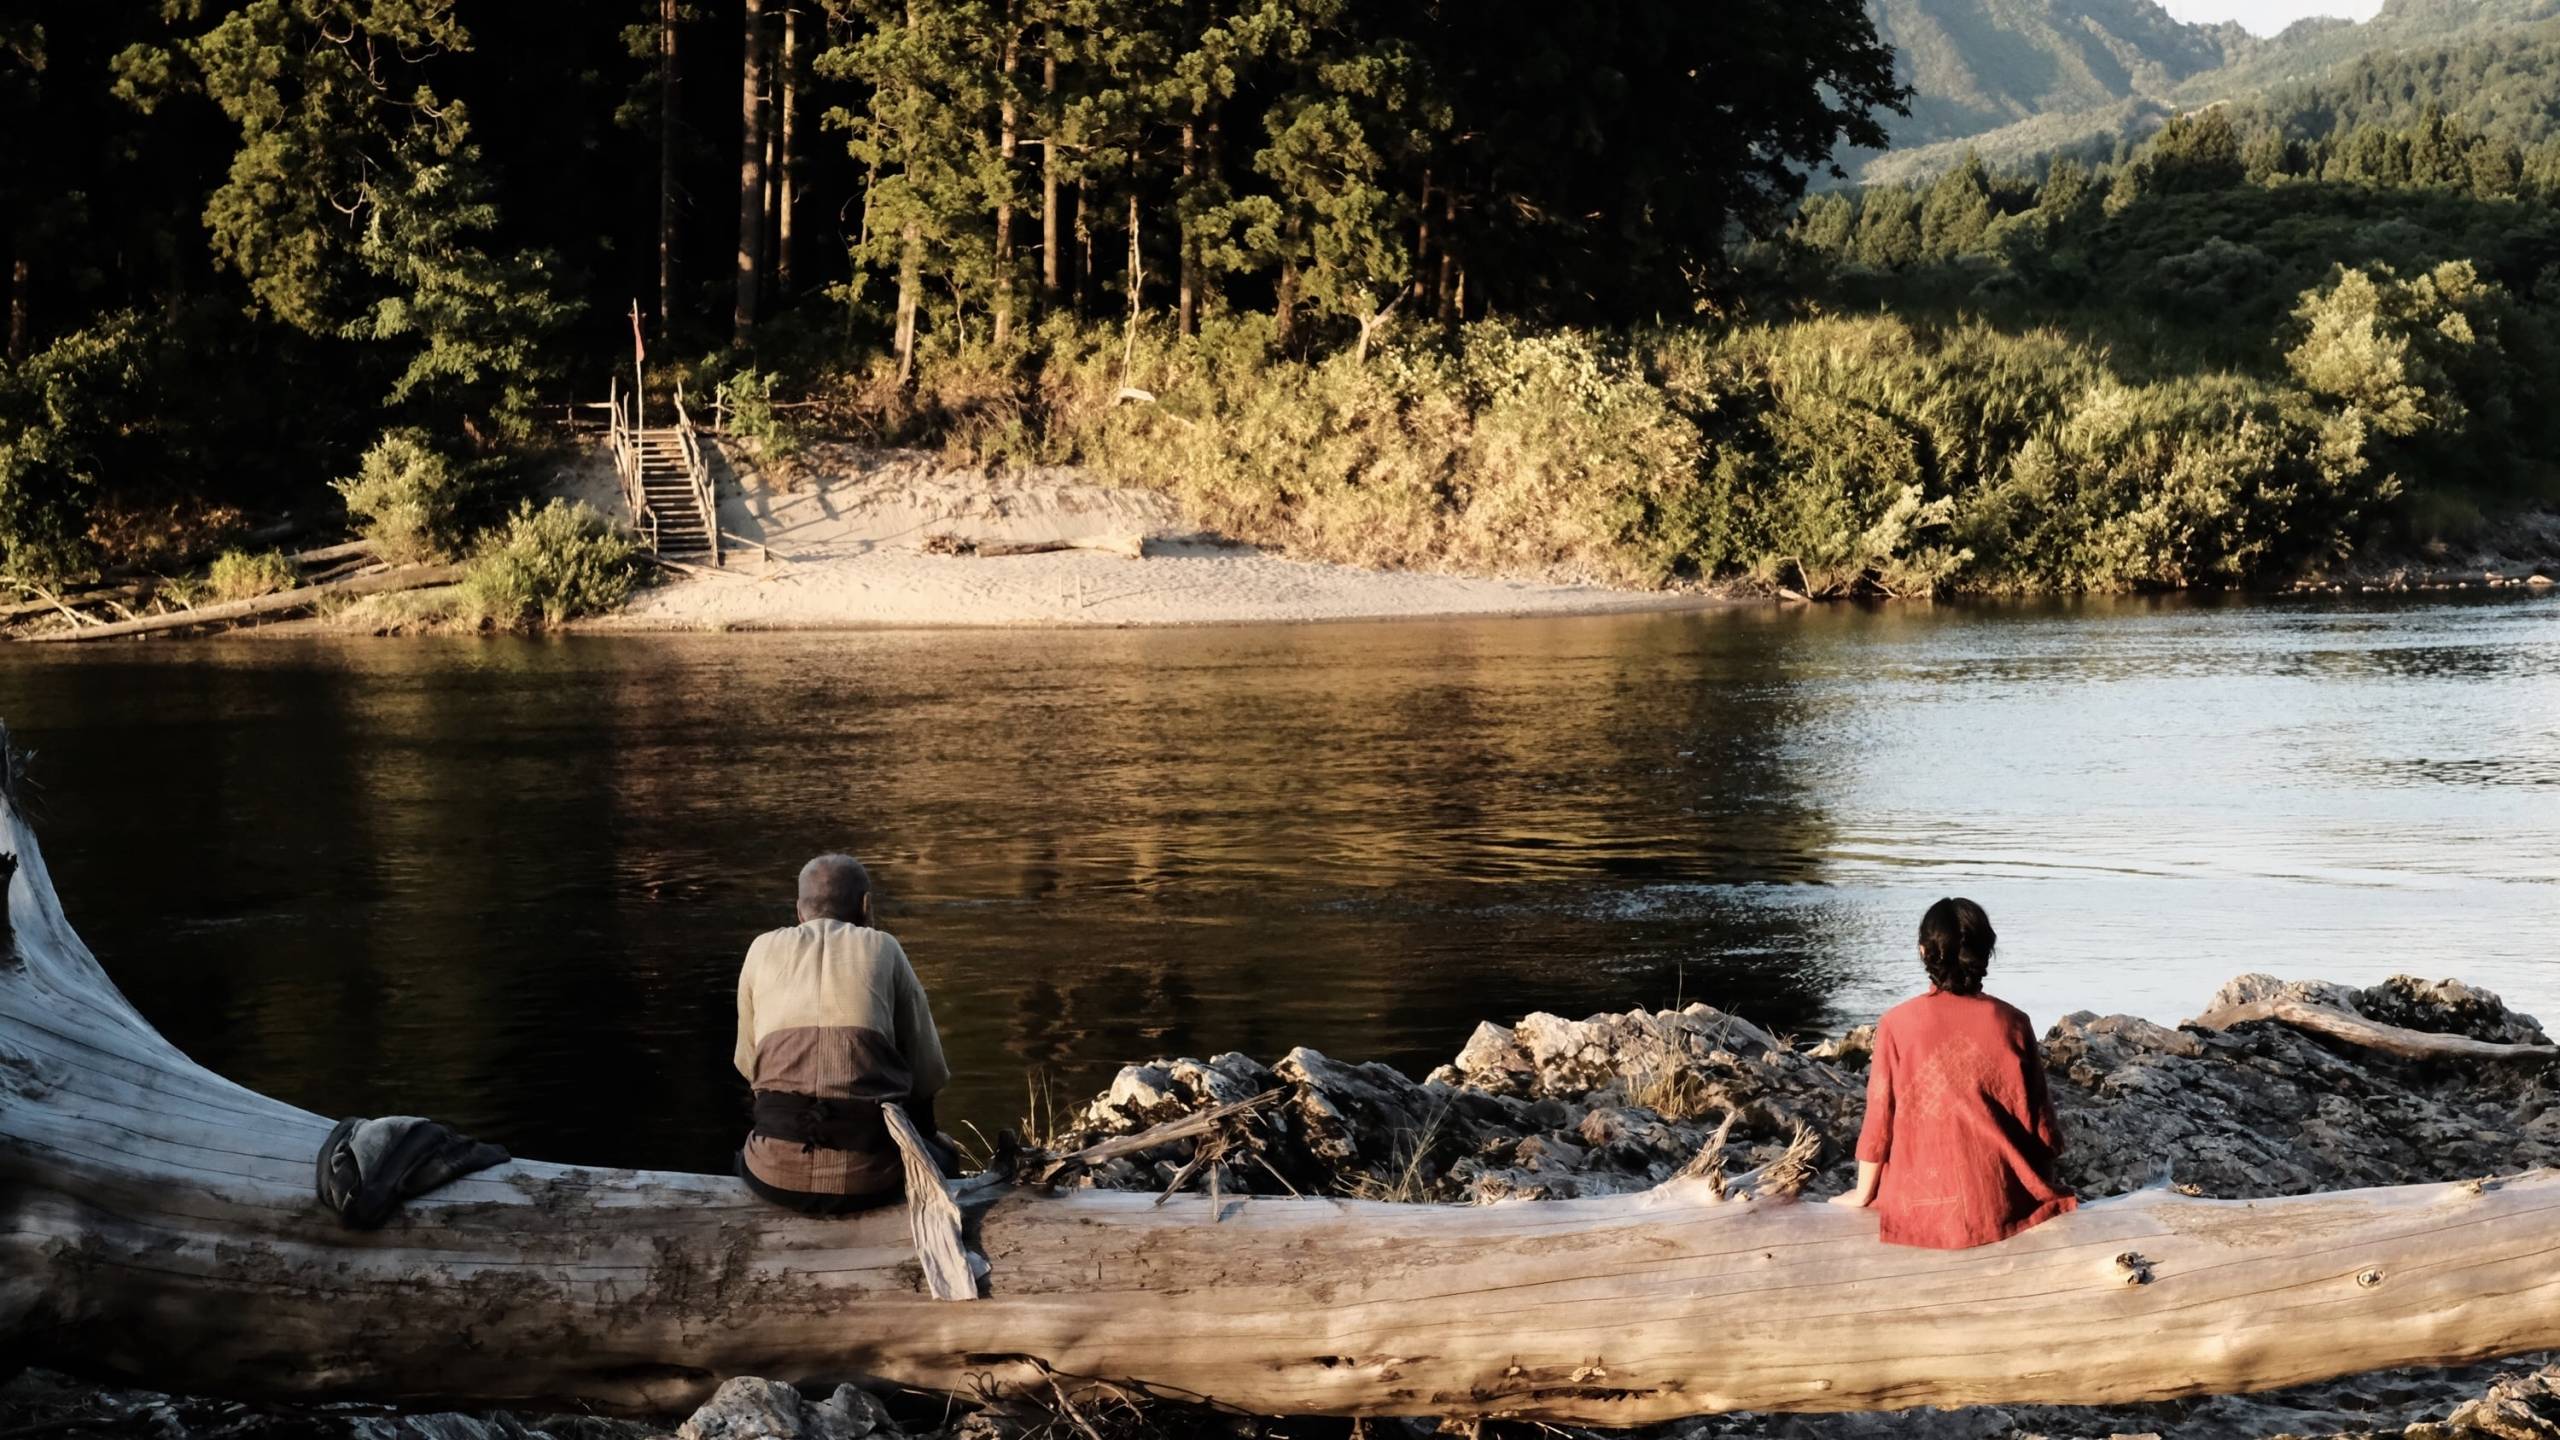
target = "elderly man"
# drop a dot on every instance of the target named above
(832, 1025)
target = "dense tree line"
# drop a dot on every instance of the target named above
(241, 236)
(2317, 338)
(1405, 282)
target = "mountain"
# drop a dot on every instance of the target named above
(1980, 65)
(2020, 80)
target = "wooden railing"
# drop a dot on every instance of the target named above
(626, 466)
(699, 472)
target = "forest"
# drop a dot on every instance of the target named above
(1492, 288)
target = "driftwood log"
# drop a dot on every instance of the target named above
(376, 581)
(114, 591)
(2333, 1023)
(157, 1222)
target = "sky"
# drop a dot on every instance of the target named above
(2266, 17)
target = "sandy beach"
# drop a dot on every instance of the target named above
(855, 538)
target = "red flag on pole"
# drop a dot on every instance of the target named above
(639, 379)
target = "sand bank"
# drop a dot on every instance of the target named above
(853, 538)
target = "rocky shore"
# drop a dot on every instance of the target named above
(1554, 1108)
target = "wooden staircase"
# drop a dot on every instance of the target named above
(667, 492)
(666, 483)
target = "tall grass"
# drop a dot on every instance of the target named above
(1831, 454)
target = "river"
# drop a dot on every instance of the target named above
(507, 882)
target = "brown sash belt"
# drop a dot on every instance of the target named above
(815, 1124)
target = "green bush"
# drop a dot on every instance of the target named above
(750, 398)
(241, 575)
(74, 416)
(548, 565)
(405, 499)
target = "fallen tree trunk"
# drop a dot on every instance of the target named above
(157, 1222)
(142, 587)
(2336, 1024)
(372, 582)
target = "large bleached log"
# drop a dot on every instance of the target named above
(156, 1222)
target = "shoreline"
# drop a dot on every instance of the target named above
(862, 539)
(850, 538)
(853, 539)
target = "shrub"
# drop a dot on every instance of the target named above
(73, 415)
(750, 397)
(548, 565)
(405, 499)
(241, 575)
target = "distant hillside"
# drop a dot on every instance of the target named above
(2022, 80)
(1979, 65)
(2313, 48)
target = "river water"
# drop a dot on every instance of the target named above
(507, 883)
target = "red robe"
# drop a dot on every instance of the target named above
(1958, 1115)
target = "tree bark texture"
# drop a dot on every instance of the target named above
(670, 95)
(1186, 254)
(1007, 115)
(751, 145)
(20, 284)
(157, 1223)
(786, 182)
(1050, 258)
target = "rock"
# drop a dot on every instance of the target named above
(1492, 1060)
(748, 1408)
(1138, 1091)
(1852, 1048)
(2249, 989)
(2517, 1407)
(863, 1411)
(2448, 1007)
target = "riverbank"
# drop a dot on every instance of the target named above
(841, 536)
(1549, 1108)
(849, 537)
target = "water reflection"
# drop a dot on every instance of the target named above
(507, 883)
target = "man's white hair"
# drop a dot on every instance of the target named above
(834, 887)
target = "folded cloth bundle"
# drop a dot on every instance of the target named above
(367, 1167)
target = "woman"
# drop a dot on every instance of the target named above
(1960, 1140)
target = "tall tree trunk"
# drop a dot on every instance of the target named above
(157, 1224)
(1422, 241)
(670, 84)
(751, 201)
(1187, 255)
(19, 285)
(1050, 259)
(1084, 255)
(1006, 117)
(910, 253)
(1285, 311)
(772, 170)
(1449, 284)
(787, 188)
(910, 297)
(1212, 178)
(1137, 257)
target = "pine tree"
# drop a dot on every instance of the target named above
(1957, 213)
(2194, 154)
(357, 204)
(1889, 228)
